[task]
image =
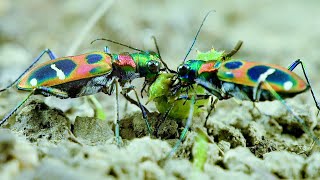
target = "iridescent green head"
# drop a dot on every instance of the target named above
(148, 65)
(188, 71)
(205, 62)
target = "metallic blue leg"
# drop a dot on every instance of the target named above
(292, 67)
(48, 51)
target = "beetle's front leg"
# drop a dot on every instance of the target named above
(210, 88)
(144, 110)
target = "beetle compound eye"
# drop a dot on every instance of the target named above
(183, 70)
(154, 66)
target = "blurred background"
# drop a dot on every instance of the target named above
(276, 32)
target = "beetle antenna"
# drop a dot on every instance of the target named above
(158, 52)
(195, 38)
(115, 42)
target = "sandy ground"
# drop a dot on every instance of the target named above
(58, 139)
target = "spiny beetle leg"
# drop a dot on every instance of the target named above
(132, 101)
(145, 83)
(210, 109)
(262, 79)
(257, 91)
(185, 130)
(165, 116)
(300, 120)
(210, 88)
(109, 87)
(117, 118)
(46, 51)
(143, 109)
(197, 97)
(49, 91)
(201, 97)
(16, 108)
(292, 67)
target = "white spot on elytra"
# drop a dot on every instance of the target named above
(264, 75)
(60, 73)
(34, 82)
(287, 85)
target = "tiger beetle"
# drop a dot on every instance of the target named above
(87, 74)
(225, 78)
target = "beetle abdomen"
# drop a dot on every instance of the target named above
(66, 69)
(250, 73)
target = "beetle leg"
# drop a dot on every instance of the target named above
(300, 120)
(185, 130)
(143, 109)
(16, 108)
(257, 91)
(143, 88)
(109, 86)
(200, 97)
(49, 91)
(46, 51)
(292, 67)
(212, 106)
(132, 101)
(208, 86)
(117, 118)
(108, 89)
(197, 97)
(99, 113)
(262, 79)
(165, 116)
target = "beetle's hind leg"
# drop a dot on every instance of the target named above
(46, 51)
(46, 91)
(4, 119)
(292, 67)
(50, 91)
(300, 120)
